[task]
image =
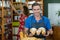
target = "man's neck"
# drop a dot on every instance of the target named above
(37, 17)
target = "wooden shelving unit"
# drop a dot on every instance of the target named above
(5, 20)
(4, 16)
(18, 7)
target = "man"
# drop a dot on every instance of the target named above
(37, 21)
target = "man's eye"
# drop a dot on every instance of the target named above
(34, 9)
(38, 9)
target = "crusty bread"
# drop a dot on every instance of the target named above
(33, 30)
(38, 31)
(29, 38)
(32, 38)
(21, 34)
(43, 30)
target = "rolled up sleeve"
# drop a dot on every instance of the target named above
(48, 26)
(27, 23)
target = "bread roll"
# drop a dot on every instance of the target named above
(21, 35)
(38, 31)
(39, 39)
(29, 38)
(24, 39)
(43, 30)
(33, 31)
(32, 38)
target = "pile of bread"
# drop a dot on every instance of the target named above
(24, 37)
(31, 38)
(38, 31)
(33, 31)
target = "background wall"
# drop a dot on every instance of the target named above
(46, 5)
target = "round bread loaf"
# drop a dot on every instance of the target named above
(38, 31)
(43, 30)
(33, 30)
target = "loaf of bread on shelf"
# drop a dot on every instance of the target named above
(33, 31)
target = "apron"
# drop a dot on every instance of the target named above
(38, 25)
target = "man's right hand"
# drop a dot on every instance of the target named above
(30, 35)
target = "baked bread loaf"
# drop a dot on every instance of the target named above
(21, 35)
(43, 30)
(38, 31)
(33, 31)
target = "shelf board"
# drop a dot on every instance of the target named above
(8, 23)
(15, 14)
(0, 32)
(6, 7)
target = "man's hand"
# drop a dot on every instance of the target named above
(26, 31)
(30, 35)
(47, 33)
(51, 31)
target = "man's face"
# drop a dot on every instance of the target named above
(36, 10)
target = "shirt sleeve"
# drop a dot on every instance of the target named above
(48, 26)
(27, 23)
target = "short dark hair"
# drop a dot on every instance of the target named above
(36, 4)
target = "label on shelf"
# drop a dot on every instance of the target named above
(15, 30)
(16, 18)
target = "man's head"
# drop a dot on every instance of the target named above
(36, 8)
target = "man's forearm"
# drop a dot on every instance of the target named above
(26, 31)
(51, 31)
